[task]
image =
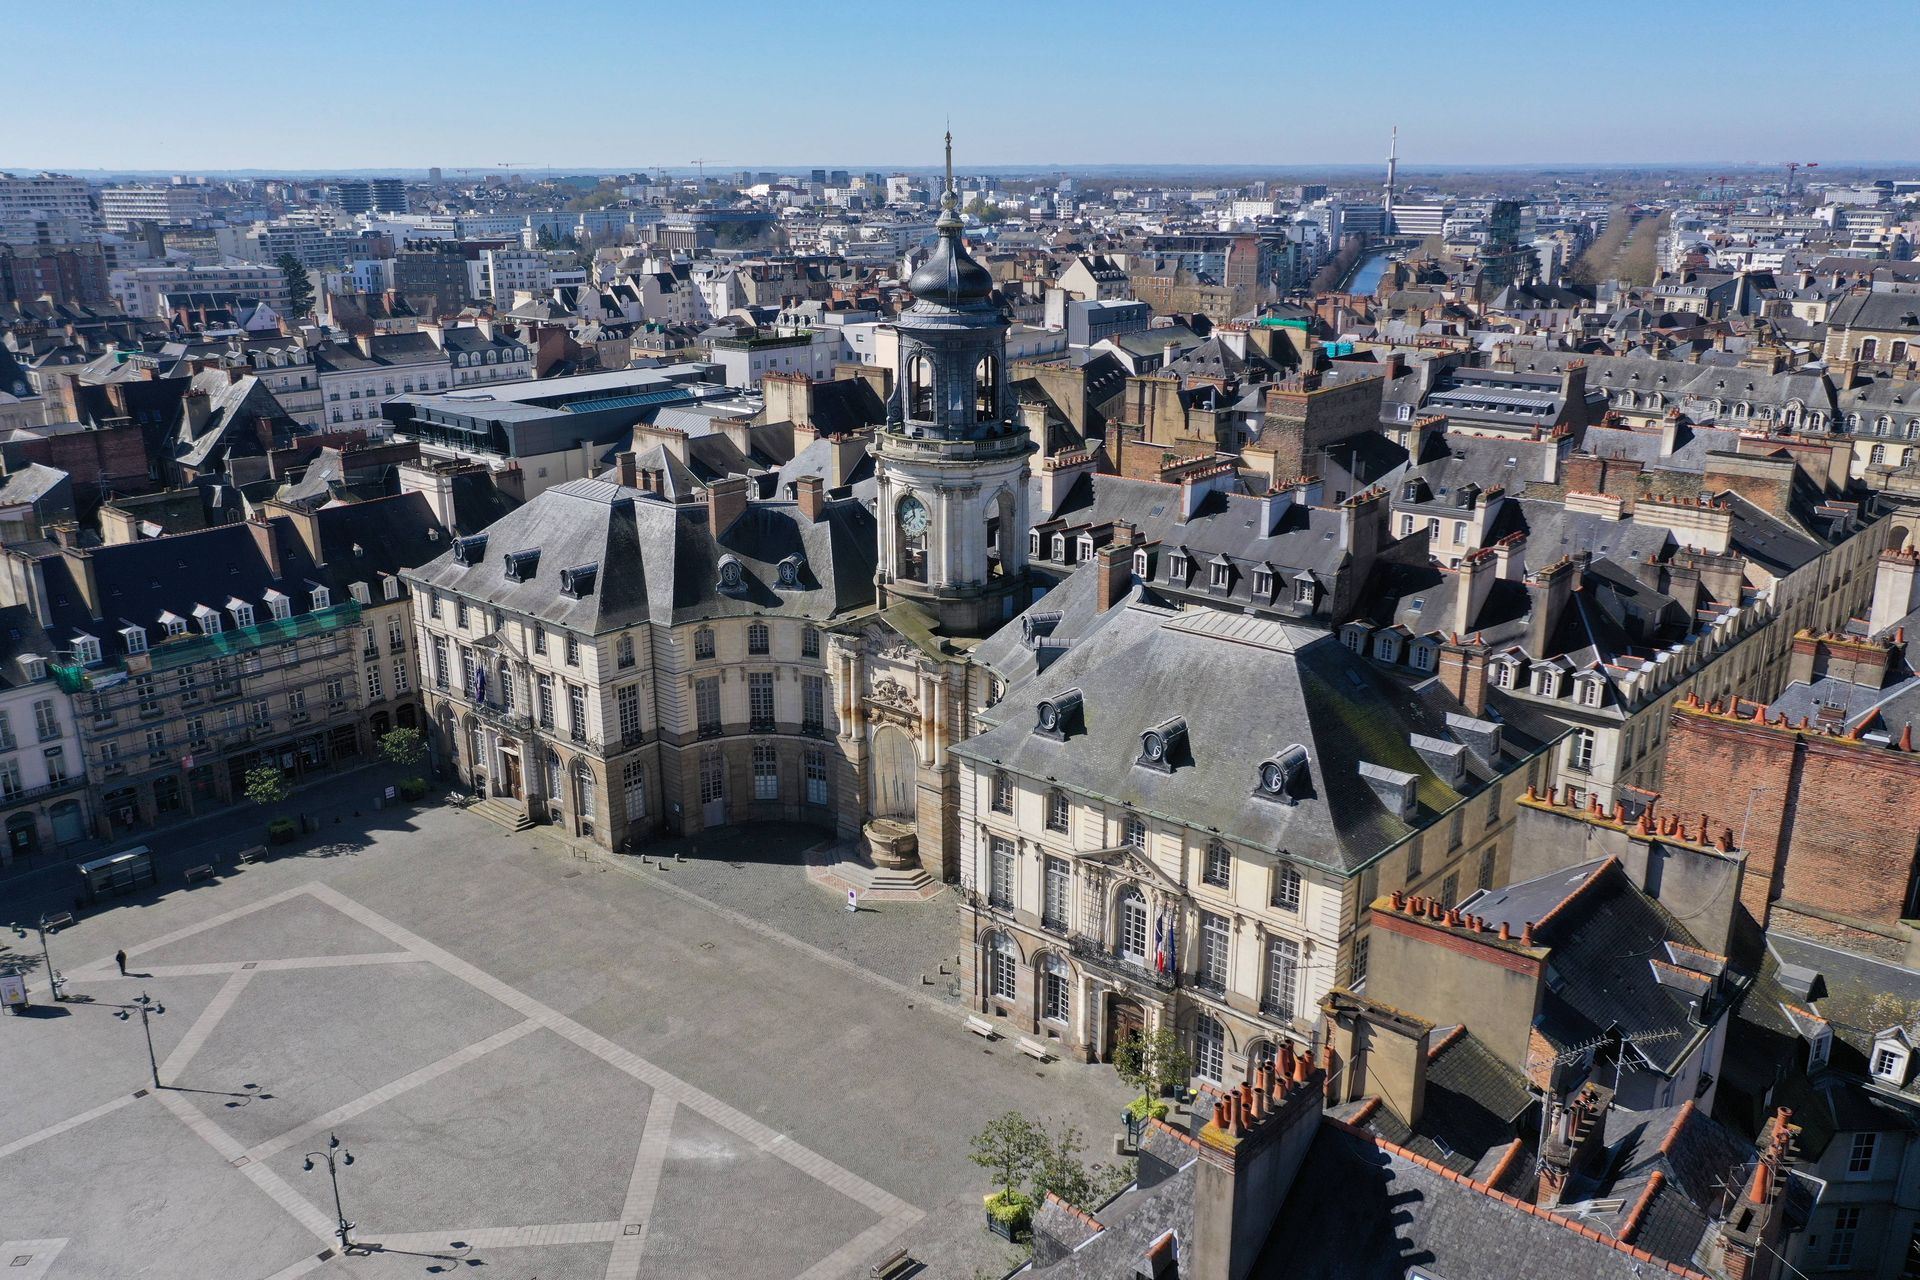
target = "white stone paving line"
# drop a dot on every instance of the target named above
(393, 1089)
(100, 968)
(922, 997)
(259, 1174)
(760, 1135)
(306, 1265)
(59, 1127)
(496, 1237)
(203, 1025)
(262, 966)
(642, 1188)
(43, 1252)
(845, 1261)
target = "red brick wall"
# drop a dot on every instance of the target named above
(1834, 824)
(118, 456)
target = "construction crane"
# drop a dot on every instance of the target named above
(701, 165)
(1793, 165)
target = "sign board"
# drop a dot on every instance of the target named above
(393, 793)
(186, 762)
(13, 991)
(853, 900)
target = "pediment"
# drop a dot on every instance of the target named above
(1130, 861)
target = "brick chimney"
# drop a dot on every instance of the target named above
(1250, 1152)
(267, 538)
(1747, 1246)
(1463, 673)
(629, 469)
(1572, 1138)
(1896, 589)
(726, 502)
(1478, 570)
(1385, 1052)
(811, 493)
(1115, 575)
(1549, 592)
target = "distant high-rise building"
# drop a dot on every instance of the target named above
(53, 199)
(433, 174)
(381, 195)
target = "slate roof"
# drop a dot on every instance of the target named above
(1473, 1108)
(1143, 665)
(20, 636)
(658, 562)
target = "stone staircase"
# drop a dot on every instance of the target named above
(867, 878)
(502, 813)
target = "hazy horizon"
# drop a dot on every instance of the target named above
(1501, 84)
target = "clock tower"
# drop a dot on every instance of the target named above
(952, 458)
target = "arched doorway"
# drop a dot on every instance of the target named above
(892, 772)
(1126, 1017)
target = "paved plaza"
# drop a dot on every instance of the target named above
(545, 1064)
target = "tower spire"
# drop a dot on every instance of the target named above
(1393, 149)
(949, 223)
(949, 159)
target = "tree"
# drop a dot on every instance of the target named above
(266, 786)
(299, 286)
(1058, 1169)
(1011, 1146)
(1152, 1062)
(985, 210)
(403, 746)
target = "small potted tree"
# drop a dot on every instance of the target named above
(406, 748)
(1011, 1146)
(266, 786)
(1152, 1062)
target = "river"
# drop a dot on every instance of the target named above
(1367, 272)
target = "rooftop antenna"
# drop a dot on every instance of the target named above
(1393, 149)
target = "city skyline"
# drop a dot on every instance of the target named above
(1227, 86)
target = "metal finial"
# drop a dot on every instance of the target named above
(949, 159)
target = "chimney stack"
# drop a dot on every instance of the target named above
(1115, 574)
(811, 493)
(726, 502)
(1249, 1156)
(629, 464)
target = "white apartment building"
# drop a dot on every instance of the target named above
(126, 207)
(42, 197)
(139, 289)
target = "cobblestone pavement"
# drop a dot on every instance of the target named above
(551, 1064)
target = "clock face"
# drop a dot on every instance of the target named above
(913, 516)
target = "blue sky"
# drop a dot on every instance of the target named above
(186, 85)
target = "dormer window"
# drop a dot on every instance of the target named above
(789, 573)
(1141, 568)
(34, 666)
(360, 592)
(578, 581)
(1892, 1055)
(86, 650)
(1305, 590)
(1059, 715)
(322, 598)
(278, 606)
(209, 620)
(135, 638)
(733, 574)
(1284, 777)
(470, 550)
(1179, 566)
(520, 566)
(1220, 574)
(242, 612)
(1033, 544)
(1590, 692)
(389, 587)
(1161, 745)
(1263, 583)
(1503, 675)
(173, 625)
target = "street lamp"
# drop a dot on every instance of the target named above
(46, 926)
(149, 1008)
(333, 1174)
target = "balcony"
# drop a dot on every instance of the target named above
(1092, 952)
(504, 718)
(29, 794)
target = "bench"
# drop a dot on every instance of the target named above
(981, 1027)
(258, 853)
(1034, 1049)
(892, 1265)
(56, 920)
(202, 872)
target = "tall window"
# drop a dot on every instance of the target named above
(503, 684)
(623, 651)
(1002, 967)
(1055, 989)
(1059, 889)
(1215, 937)
(1000, 871)
(1133, 831)
(633, 779)
(1002, 793)
(1841, 1237)
(760, 700)
(400, 679)
(1860, 1155)
(539, 639)
(1486, 869)
(816, 776)
(986, 390)
(920, 387)
(1209, 1049)
(813, 704)
(627, 699)
(373, 684)
(757, 639)
(577, 712)
(583, 797)
(573, 650)
(766, 772)
(460, 614)
(1359, 974)
(703, 643)
(1580, 750)
(1283, 977)
(706, 705)
(1286, 888)
(1218, 869)
(546, 701)
(1132, 930)
(1058, 811)
(809, 642)
(713, 777)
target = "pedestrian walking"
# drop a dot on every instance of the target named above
(120, 958)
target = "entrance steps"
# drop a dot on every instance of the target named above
(502, 813)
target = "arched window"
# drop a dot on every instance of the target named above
(1003, 965)
(920, 388)
(986, 390)
(1209, 1049)
(1130, 926)
(757, 641)
(1056, 989)
(583, 790)
(553, 777)
(1259, 1054)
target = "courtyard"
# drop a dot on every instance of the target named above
(545, 1064)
